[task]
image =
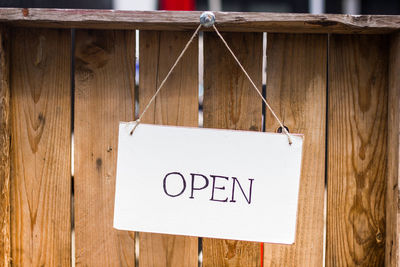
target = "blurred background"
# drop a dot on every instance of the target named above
(386, 7)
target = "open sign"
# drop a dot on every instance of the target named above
(206, 182)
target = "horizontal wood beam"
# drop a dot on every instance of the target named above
(188, 20)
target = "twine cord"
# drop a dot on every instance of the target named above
(254, 86)
(237, 61)
(166, 77)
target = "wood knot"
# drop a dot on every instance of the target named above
(253, 128)
(96, 52)
(379, 237)
(231, 249)
(25, 12)
(41, 118)
(99, 162)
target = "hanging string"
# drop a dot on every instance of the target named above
(254, 86)
(166, 77)
(237, 61)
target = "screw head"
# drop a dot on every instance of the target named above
(207, 19)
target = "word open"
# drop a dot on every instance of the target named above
(175, 184)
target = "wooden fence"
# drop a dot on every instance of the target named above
(334, 78)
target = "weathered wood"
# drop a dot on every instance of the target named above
(231, 102)
(41, 136)
(177, 104)
(392, 191)
(296, 90)
(104, 95)
(5, 132)
(188, 20)
(358, 91)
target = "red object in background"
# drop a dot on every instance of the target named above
(177, 4)
(262, 255)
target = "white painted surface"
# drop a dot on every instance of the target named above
(135, 4)
(142, 201)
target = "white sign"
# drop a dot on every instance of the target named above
(205, 182)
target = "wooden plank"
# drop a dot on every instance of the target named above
(5, 134)
(177, 104)
(188, 20)
(296, 90)
(104, 95)
(231, 102)
(358, 91)
(392, 191)
(41, 136)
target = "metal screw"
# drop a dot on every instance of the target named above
(207, 19)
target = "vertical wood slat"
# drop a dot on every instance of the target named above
(104, 95)
(231, 102)
(392, 191)
(5, 132)
(357, 150)
(296, 90)
(41, 135)
(177, 104)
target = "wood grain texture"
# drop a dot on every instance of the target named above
(358, 91)
(176, 104)
(41, 136)
(231, 102)
(5, 134)
(189, 20)
(296, 90)
(392, 191)
(104, 95)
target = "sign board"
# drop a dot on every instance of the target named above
(226, 184)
